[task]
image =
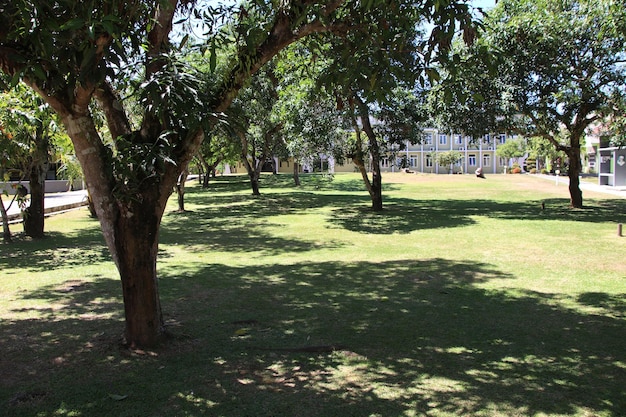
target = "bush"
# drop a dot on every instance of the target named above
(533, 170)
(544, 171)
(516, 170)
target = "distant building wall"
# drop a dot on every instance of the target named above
(52, 186)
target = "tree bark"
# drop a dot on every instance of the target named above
(296, 173)
(130, 227)
(180, 190)
(357, 157)
(573, 172)
(136, 248)
(254, 181)
(6, 232)
(376, 188)
(34, 214)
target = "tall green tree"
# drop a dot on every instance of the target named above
(369, 65)
(564, 65)
(512, 148)
(313, 125)
(12, 155)
(259, 130)
(75, 54)
(33, 124)
(448, 159)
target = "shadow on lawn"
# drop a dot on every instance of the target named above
(239, 219)
(86, 246)
(415, 337)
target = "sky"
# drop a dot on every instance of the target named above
(485, 4)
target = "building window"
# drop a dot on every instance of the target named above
(443, 139)
(487, 139)
(429, 139)
(502, 138)
(503, 162)
(413, 161)
(429, 161)
(486, 160)
(471, 159)
(458, 139)
(384, 163)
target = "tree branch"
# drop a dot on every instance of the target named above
(280, 35)
(109, 102)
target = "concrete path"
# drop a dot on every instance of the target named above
(54, 203)
(584, 185)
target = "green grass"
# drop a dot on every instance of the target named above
(462, 298)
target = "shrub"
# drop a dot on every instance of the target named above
(516, 170)
(533, 170)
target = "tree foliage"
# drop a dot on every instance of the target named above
(565, 64)
(79, 54)
(30, 128)
(448, 159)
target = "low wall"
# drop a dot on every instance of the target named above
(52, 186)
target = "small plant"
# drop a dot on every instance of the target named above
(533, 171)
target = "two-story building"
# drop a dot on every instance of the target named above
(421, 157)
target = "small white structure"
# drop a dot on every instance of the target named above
(612, 162)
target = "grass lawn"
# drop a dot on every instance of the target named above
(463, 298)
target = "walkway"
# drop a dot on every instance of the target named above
(584, 185)
(54, 203)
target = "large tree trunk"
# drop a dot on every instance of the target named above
(34, 214)
(136, 248)
(130, 226)
(573, 172)
(180, 190)
(296, 173)
(254, 182)
(376, 188)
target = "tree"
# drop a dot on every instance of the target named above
(76, 54)
(313, 126)
(512, 148)
(367, 66)
(258, 129)
(11, 154)
(31, 123)
(448, 158)
(217, 148)
(563, 66)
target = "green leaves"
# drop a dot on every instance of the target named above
(135, 163)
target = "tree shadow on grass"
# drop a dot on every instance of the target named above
(81, 247)
(403, 215)
(243, 217)
(412, 337)
(415, 337)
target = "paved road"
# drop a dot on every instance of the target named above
(56, 202)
